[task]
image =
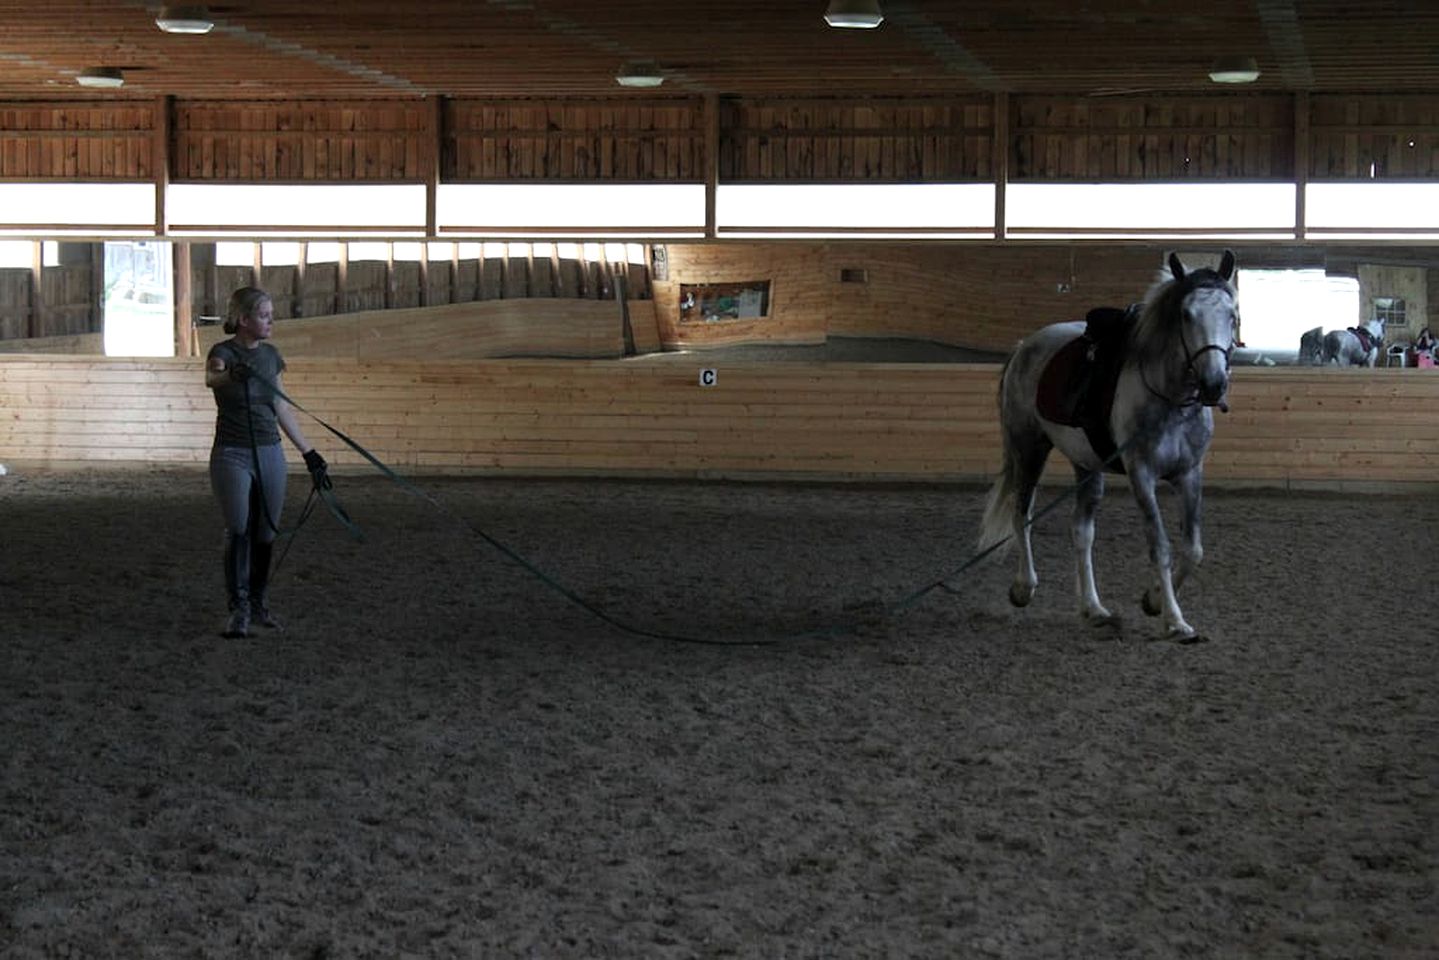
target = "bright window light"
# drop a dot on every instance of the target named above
(542, 250)
(407, 252)
(275, 253)
(1261, 210)
(96, 208)
(369, 250)
(322, 251)
(536, 209)
(49, 254)
(138, 303)
(493, 249)
(17, 254)
(469, 250)
(1278, 306)
(1372, 210)
(878, 209)
(234, 253)
(592, 251)
(442, 250)
(322, 209)
(635, 252)
(568, 251)
(518, 249)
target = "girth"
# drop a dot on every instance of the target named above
(1077, 386)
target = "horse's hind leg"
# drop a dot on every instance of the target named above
(1089, 491)
(1029, 451)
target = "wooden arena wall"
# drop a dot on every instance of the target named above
(1289, 427)
(1216, 136)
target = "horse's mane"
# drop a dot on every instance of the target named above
(1160, 307)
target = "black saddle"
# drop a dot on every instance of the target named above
(1077, 386)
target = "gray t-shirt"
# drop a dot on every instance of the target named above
(240, 419)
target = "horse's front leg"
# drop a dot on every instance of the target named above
(1089, 491)
(1142, 482)
(1190, 487)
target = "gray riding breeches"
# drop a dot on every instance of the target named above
(250, 487)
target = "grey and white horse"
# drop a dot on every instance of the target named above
(1355, 347)
(1172, 369)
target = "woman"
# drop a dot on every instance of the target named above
(247, 463)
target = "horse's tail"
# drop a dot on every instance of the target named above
(999, 505)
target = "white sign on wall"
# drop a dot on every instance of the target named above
(708, 377)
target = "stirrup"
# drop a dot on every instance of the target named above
(238, 626)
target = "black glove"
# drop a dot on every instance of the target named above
(240, 371)
(319, 469)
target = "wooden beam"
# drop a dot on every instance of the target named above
(34, 320)
(1301, 161)
(435, 118)
(186, 342)
(712, 162)
(161, 161)
(1000, 161)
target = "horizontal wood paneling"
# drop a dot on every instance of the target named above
(77, 141)
(651, 418)
(1379, 137)
(459, 331)
(657, 140)
(1152, 138)
(321, 141)
(871, 140)
(1137, 137)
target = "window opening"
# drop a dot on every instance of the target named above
(717, 302)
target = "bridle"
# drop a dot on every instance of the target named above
(1191, 359)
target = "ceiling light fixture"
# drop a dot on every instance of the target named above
(184, 20)
(640, 73)
(1234, 70)
(854, 14)
(104, 77)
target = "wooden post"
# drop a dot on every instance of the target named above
(342, 278)
(186, 343)
(297, 303)
(389, 298)
(1301, 161)
(161, 163)
(435, 119)
(424, 273)
(35, 320)
(712, 148)
(1000, 154)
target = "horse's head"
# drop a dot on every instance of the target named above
(1205, 307)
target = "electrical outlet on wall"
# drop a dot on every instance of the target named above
(1062, 287)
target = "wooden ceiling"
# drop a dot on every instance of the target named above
(756, 48)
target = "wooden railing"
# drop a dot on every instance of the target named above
(1290, 427)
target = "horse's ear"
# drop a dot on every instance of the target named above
(1226, 265)
(1175, 267)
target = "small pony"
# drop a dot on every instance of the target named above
(1150, 377)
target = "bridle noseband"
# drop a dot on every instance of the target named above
(1191, 359)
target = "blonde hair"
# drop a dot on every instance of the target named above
(244, 302)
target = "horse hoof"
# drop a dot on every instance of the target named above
(1104, 623)
(1151, 606)
(1185, 634)
(1020, 596)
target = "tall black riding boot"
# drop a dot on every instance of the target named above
(237, 583)
(260, 554)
